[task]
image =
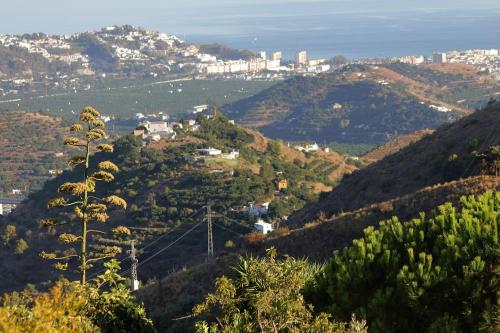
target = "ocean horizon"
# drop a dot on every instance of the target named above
(357, 36)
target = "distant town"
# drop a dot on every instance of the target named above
(39, 61)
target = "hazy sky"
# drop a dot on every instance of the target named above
(198, 16)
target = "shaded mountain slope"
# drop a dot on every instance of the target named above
(166, 194)
(443, 156)
(395, 145)
(336, 107)
(318, 239)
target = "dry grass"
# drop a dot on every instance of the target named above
(396, 145)
(418, 89)
(460, 69)
(317, 239)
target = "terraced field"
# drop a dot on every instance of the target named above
(28, 146)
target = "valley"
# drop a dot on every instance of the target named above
(149, 184)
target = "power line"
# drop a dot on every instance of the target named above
(167, 247)
(151, 243)
(228, 230)
(171, 230)
(236, 221)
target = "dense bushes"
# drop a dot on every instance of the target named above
(218, 131)
(437, 273)
(58, 311)
(264, 296)
(69, 308)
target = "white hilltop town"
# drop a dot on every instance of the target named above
(132, 52)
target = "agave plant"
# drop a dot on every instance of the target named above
(87, 207)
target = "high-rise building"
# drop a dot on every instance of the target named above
(301, 58)
(262, 55)
(276, 56)
(439, 58)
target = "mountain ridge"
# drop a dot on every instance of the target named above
(445, 155)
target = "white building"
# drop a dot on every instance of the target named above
(318, 68)
(316, 62)
(276, 56)
(209, 151)
(157, 126)
(8, 205)
(203, 57)
(198, 109)
(440, 108)
(412, 60)
(301, 58)
(263, 227)
(308, 148)
(273, 65)
(232, 155)
(439, 58)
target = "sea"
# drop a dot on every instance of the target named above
(325, 28)
(355, 36)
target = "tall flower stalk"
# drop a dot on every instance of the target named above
(87, 207)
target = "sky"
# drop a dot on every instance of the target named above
(198, 17)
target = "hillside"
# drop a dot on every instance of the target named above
(363, 104)
(166, 195)
(315, 241)
(319, 239)
(323, 234)
(443, 156)
(395, 145)
(119, 50)
(28, 146)
(458, 86)
(334, 107)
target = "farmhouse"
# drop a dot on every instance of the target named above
(8, 205)
(307, 148)
(209, 151)
(282, 184)
(263, 227)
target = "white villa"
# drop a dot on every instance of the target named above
(209, 151)
(307, 148)
(263, 227)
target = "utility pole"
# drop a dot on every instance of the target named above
(133, 269)
(210, 251)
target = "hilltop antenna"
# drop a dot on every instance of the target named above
(210, 248)
(133, 269)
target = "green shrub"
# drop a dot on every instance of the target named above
(264, 296)
(438, 271)
(115, 310)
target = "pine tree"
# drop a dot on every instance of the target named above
(432, 272)
(87, 207)
(21, 246)
(9, 234)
